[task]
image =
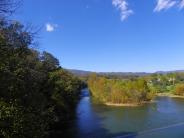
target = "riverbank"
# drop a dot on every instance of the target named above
(169, 95)
(145, 102)
(123, 104)
(129, 104)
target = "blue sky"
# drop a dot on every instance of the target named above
(110, 35)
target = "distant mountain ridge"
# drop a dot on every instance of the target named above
(85, 73)
(166, 72)
(80, 72)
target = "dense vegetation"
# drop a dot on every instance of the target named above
(37, 96)
(120, 91)
(166, 83)
(179, 90)
(134, 89)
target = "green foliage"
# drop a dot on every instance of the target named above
(17, 121)
(50, 63)
(164, 83)
(134, 90)
(179, 90)
(65, 90)
(119, 91)
(35, 93)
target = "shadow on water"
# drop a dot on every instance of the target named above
(87, 123)
(162, 119)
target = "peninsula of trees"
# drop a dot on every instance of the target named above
(116, 91)
(134, 90)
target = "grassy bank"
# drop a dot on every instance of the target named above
(169, 95)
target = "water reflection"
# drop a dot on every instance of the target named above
(94, 120)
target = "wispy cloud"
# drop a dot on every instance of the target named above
(125, 12)
(122, 5)
(164, 5)
(181, 5)
(50, 27)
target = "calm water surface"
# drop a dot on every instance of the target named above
(162, 119)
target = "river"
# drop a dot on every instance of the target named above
(162, 119)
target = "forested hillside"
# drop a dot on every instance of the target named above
(37, 96)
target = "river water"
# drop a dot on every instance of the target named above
(162, 119)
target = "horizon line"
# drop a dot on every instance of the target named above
(151, 72)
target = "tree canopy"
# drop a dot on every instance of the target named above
(36, 94)
(120, 91)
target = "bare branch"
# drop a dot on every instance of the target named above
(8, 7)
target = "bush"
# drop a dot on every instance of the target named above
(179, 90)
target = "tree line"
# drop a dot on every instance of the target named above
(119, 91)
(134, 89)
(172, 83)
(37, 96)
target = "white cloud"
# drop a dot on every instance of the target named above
(122, 5)
(181, 4)
(164, 5)
(50, 27)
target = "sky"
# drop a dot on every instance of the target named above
(109, 35)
